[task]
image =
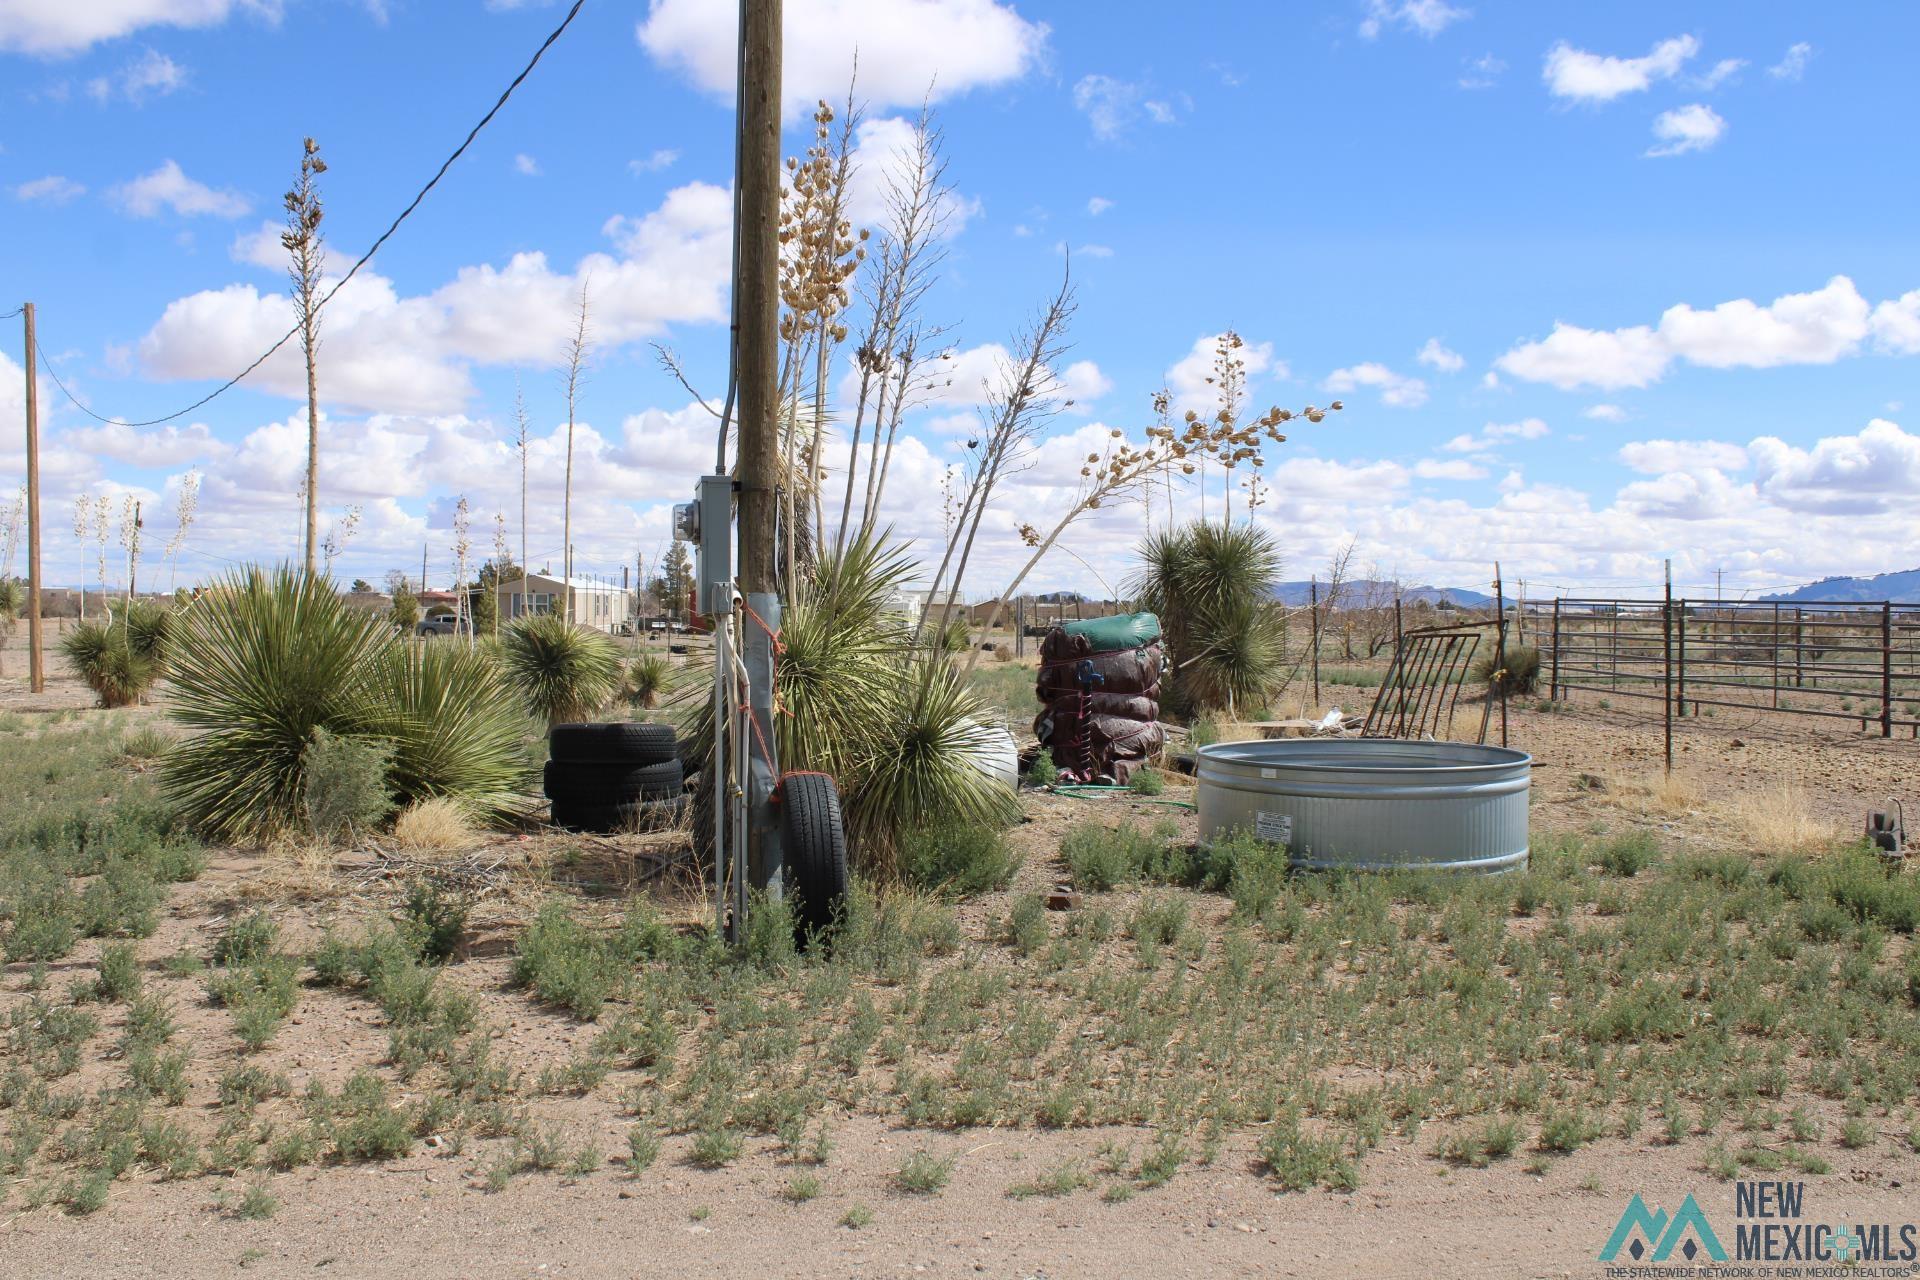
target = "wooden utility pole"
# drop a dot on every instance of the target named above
(756, 348)
(758, 288)
(36, 661)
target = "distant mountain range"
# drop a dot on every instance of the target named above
(1902, 585)
(1295, 593)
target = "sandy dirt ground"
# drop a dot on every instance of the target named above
(429, 1215)
(421, 1217)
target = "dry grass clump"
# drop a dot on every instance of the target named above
(438, 822)
(1666, 795)
(1780, 819)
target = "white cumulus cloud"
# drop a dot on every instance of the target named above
(169, 188)
(1818, 327)
(1694, 127)
(1436, 355)
(1794, 64)
(151, 75)
(386, 352)
(52, 27)
(52, 189)
(1396, 390)
(1591, 77)
(907, 49)
(1426, 17)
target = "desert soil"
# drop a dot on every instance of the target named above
(428, 1215)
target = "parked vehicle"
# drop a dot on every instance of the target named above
(444, 625)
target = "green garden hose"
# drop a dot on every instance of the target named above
(1083, 790)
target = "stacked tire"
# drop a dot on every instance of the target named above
(614, 777)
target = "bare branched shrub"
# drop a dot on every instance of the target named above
(579, 353)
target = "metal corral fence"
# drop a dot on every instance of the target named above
(1841, 660)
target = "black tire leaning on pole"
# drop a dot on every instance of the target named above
(814, 839)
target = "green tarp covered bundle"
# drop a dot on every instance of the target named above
(1099, 684)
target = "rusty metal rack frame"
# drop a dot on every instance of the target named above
(1422, 687)
(1836, 660)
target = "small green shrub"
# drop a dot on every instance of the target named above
(714, 1147)
(1147, 781)
(1042, 772)
(567, 964)
(345, 785)
(1630, 854)
(958, 861)
(924, 1174)
(119, 972)
(1101, 857)
(433, 921)
(246, 939)
(1299, 1162)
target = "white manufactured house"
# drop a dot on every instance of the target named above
(596, 603)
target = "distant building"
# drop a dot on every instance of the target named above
(595, 603)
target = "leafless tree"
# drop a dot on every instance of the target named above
(1019, 405)
(306, 250)
(579, 351)
(520, 443)
(502, 554)
(893, 371)
(339, 533)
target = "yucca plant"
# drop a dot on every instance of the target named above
(1518, 673)
(121, 657)
(559, 671)
(259, 663)
(649, 680)
(1212, 587)
(921, 768)
(894, 725)
(453, 726)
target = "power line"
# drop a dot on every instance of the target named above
(366, 257)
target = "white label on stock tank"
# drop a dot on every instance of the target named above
(1269, 773)
(1274, 827)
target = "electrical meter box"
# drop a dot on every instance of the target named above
(707, 523)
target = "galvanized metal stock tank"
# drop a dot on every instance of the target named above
(1371, 804)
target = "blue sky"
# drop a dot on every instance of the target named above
(1599, 284)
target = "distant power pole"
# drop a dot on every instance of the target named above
(36, 660)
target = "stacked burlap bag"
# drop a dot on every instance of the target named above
(1099, 687)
